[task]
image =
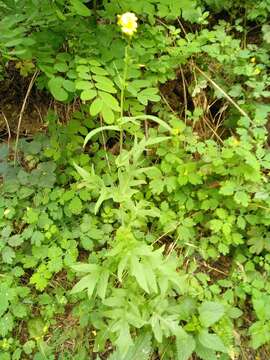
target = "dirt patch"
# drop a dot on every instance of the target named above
(13, 91)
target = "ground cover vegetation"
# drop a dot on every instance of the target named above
(138, 226)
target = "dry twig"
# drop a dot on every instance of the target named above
(22, 112)
(8, 128)
(185, 92)
(241, 111)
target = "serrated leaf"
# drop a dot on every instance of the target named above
(227, 188)
(140, 350)
(75, 206)
(185, 345)
(156, 328)
(157, 186)
(3, 301)
(216, 225)
(121, 267)
(242, 198)
(138, 271)
(6, 324)
(151, 278)
(190, 11)
(19, 310)
(25, 192)
(205, 353)
(261, 307)
(86, 282)
(234, 312)
(103, 284)
(8, 255)
(149, 94)
(210, 312)
(15, 240)
(211, 341)
(260, 334)
(37, 238)
(35, 327)
(124, 340)
(29, 346)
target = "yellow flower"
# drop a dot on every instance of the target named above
(128, 23)
(257, 71)
(6, 212)
(235, 142)
(175, 131)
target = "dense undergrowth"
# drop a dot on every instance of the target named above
(139, 228)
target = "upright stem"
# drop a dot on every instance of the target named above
(245, 31)
(123, 87)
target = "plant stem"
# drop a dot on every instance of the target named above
(123, 87)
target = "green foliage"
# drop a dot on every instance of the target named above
(140, 350)
(162, 245)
